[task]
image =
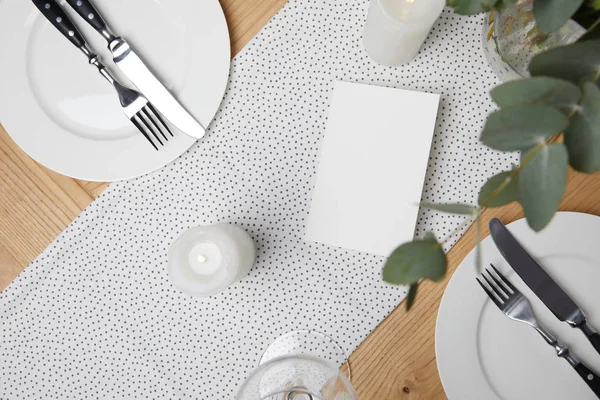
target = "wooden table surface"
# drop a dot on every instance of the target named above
(396, 362)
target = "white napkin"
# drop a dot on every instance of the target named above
(372, 167)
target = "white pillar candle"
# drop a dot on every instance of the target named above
(396, 29)
(207, 259)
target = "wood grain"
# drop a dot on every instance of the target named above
(396, 362)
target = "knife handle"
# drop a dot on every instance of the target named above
(57, 17)
(592, 335)
(87, 11)
(592, 380)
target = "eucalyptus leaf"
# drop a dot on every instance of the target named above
(510, 5)
(552, 14)
(430, 236)
(522, 127)
(542, 183)
(469, 7)
(507, 195)
(416, 260)
(412, 293)
(576, 62)
(542, 90)
(464, 209)
(582, 138)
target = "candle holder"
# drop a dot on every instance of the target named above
(396, 29)
(205, 260)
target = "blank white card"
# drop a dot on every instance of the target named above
(372, 167)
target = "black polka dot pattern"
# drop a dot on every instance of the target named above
(96, 315)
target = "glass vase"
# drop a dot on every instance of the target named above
(511, 39)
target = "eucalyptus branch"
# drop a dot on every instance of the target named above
(477, 213)
(528, 107)
(515, 173)
(591, 28)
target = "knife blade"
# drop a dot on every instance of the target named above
(542, 284)
(138, 73)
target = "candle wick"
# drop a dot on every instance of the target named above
(201, 258)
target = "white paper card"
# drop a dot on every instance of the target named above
(373, 162)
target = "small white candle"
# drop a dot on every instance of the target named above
(207, 259)
(396, 29)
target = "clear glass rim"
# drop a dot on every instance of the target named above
(276, 360)
(322, 335)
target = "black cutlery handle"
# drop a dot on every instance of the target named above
(592, 335)
(592, 380)
(57, 17)
(86, 9)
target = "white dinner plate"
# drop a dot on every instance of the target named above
(63, 113)
(484, 355)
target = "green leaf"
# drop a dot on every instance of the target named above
(582, 138)
(576, 62)
(412, 293)
(416, 260)
(469, 7)
(430, 236)
(552, 14)
(542, 183)
(542, 90)
(511, 7)
(464, 209)
(522, 127)
(507, 195)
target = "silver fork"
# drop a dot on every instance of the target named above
(135, 106)
(516, 306)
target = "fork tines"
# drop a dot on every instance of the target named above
(148, 121)
(502, 289)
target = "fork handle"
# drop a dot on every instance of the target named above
(88, 12)
(57, 17)
(590, 377)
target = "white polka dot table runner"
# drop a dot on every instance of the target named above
(95, 316)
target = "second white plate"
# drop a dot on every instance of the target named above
(61, 111)
(482, 354)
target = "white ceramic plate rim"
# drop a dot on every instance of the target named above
(102, 160)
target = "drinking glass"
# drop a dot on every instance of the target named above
(297, 377)
(300, 365)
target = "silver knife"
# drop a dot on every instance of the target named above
(138, 73)
(534, 276)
